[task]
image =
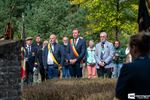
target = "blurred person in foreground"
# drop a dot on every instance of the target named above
(134, 77)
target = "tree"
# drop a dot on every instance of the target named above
(11, 11)
(113, 16)
(61, 16)
(41, 17)
(54, 16)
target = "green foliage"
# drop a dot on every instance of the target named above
(61, 16)
(54, 16)
(103, 15)
(42, 17)
(11, 11)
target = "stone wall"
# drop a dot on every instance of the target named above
(10, 88)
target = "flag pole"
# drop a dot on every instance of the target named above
(23, 65)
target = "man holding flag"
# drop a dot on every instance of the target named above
(23, 53)
(23, 64)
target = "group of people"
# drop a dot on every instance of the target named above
(105, 59)
(68, 60)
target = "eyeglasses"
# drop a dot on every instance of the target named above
(65, 40)
(102, 36)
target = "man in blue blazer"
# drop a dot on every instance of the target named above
(52, 57)
(77, 52)
(134, 79)
(104, 52)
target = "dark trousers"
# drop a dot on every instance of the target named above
(52, 72)
(65, 71)
(29, 73)
(104, 72)
(42, 72)
(76, 70)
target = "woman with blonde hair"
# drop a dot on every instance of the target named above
(44, 44)
(91, 62)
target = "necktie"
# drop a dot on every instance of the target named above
(29, 49)
(102, 50)
(102, 54)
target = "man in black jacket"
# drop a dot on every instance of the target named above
(38, 57)
(30, 59)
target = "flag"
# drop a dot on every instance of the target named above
(144, 15)
(23, 51)
(23, 64)
(9, 32)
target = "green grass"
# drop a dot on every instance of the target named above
(72, 89)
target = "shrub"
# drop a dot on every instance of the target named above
(73, 89)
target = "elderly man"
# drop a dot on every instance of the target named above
(52, 57)
(65, 48)
(103, 55)
(30, 59)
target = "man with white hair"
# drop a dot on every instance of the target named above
(65, 66)
(103, 55)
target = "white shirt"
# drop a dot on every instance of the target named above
(53, 48)
(127, 51)
(28, 48)
(49, 59)
(77, 41)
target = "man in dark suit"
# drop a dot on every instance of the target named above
(52, 57)
(30, 59)
(134, 78)
(77, 52)
(38, 57)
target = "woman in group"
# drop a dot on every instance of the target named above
(91, 62)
